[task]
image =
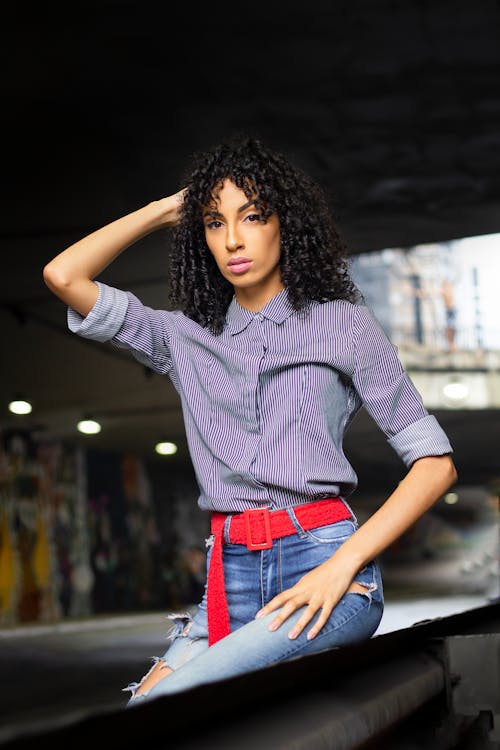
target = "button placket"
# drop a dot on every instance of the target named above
(252, 391)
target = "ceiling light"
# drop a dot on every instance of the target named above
(20, 406)
(165, 448)
(89, 426)
(456, 391)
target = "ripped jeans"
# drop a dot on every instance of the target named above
(252, 579)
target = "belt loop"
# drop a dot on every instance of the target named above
(227, 526)
(298, 528)
(354, 517)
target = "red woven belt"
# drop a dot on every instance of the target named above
(256, 529)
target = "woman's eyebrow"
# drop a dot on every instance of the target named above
(217, 213)
(246, 205)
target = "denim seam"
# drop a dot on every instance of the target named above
(262, 600)
(280, 572)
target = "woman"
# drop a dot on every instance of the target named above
(272, 352)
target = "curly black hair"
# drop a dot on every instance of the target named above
(313, 260)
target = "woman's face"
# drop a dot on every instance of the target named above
(245, 246)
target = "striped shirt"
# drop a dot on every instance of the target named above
(267, 402)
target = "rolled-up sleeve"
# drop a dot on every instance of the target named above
(106, 317)
(423, 438)
(120, 318)
(389, 395)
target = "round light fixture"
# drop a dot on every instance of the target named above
(89, 426)
(165, 448)
(20, 406)
(451, 498)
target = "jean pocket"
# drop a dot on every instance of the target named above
(336, 532)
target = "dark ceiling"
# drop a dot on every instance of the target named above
(393, 106)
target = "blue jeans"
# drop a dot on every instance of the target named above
(252, 578)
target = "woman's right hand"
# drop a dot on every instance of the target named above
(171, 206)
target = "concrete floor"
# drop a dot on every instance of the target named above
(54, 675)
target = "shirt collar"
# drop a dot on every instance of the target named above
(277, 309)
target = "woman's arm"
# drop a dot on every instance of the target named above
(70, 274)
(321, 589)
(428, 479)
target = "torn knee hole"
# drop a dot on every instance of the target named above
(160, 669)
(182, 623)
(158, 672)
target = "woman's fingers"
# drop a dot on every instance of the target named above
(285, 612)
(304, 620)
(288, 604)
(275, 603)
(179, 196)
(325, 613)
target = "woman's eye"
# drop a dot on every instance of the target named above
(213, 224)
(254, 217)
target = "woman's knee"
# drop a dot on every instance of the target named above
(159, 671)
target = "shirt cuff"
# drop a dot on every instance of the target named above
(425, 437)
(105, 319)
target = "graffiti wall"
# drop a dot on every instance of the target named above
(44, 573)
(84, 532)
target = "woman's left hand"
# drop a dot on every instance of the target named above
(320, 589)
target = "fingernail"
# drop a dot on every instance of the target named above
(310, 635)
(292, 634)
(259, 614)
(273, 626)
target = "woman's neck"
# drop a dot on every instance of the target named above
(253, 301)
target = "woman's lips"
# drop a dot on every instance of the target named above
(239, 265)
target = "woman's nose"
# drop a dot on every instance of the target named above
(233, 239)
